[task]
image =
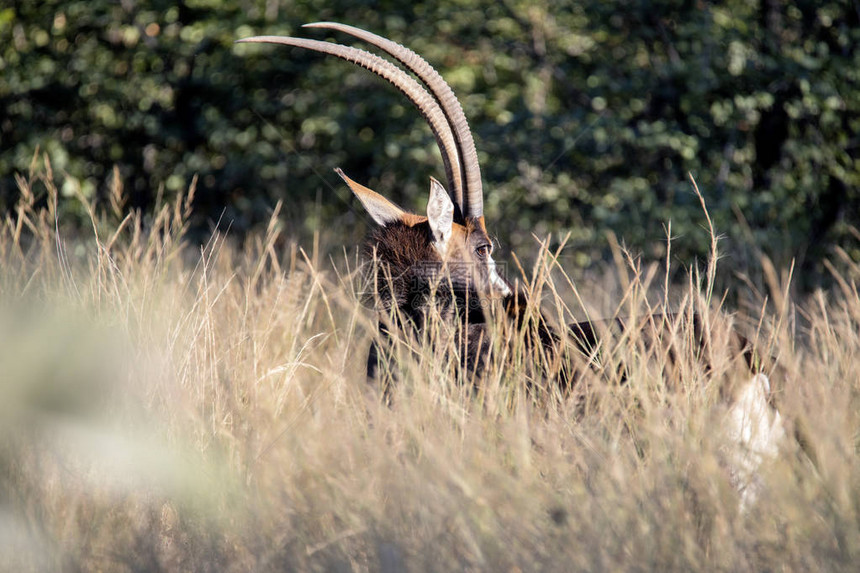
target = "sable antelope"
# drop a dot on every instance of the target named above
(451, 242)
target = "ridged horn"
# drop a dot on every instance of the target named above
(473, 193)
(425, 102)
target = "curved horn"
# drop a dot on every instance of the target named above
(425, 103)
(474, 197)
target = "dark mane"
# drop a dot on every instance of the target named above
(400, 247)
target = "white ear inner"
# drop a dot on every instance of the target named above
(440, 214)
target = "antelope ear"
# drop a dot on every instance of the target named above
(440, 214)
(378, 207)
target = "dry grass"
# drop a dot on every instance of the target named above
(171, 409)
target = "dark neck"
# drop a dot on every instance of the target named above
(418, 293)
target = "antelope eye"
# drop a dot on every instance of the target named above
(483, 251)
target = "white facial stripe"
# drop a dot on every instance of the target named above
(496, 281)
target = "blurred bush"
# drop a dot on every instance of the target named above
(588, 115)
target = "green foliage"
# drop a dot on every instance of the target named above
(588, 115)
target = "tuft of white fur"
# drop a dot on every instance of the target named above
(754, 431)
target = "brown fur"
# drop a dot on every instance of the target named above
(408, 274)
(406, 267)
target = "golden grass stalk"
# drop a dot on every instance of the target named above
(166, 407)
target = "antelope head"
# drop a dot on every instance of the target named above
(452, 235)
